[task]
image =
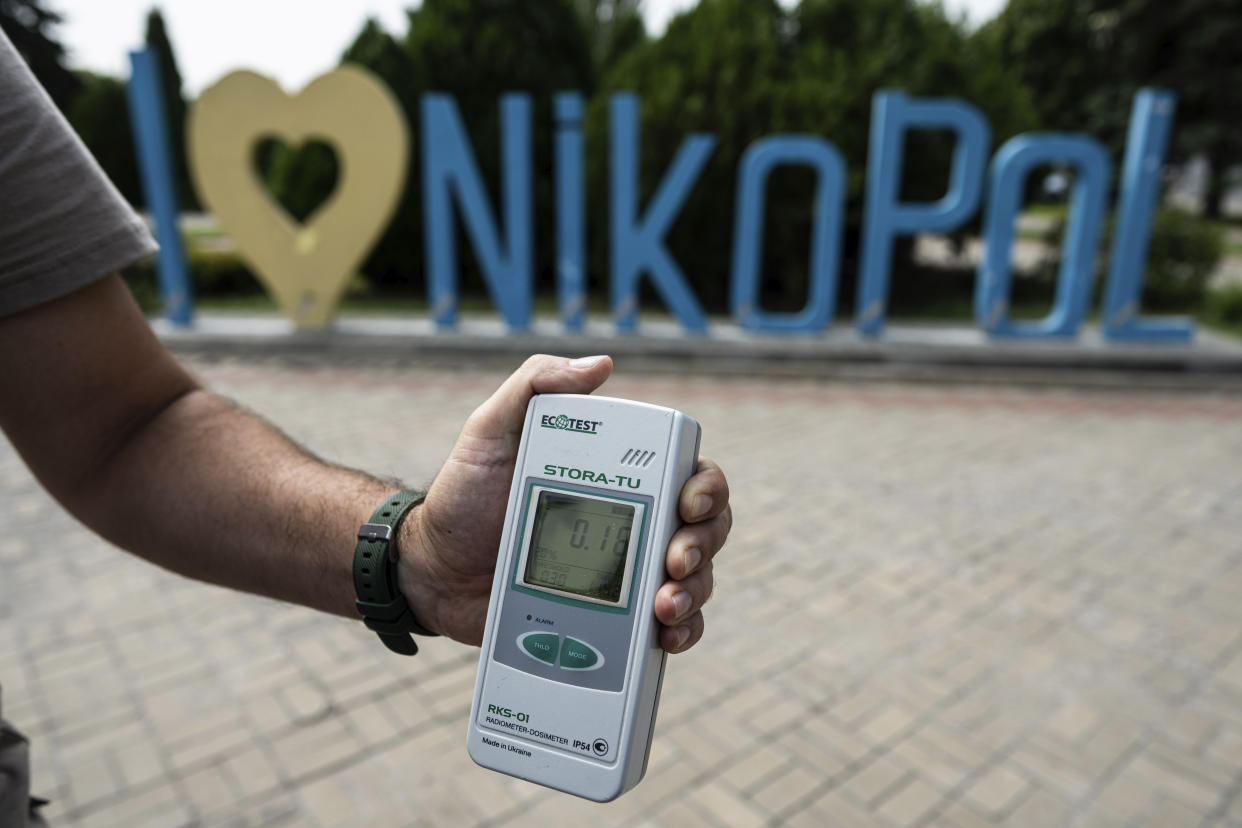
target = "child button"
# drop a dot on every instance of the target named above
(578, 655)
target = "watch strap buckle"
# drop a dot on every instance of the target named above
(379, 600)
(375, 532)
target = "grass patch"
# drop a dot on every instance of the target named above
(1047, 210)
(1233, 331)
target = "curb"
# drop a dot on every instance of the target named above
(918, 353)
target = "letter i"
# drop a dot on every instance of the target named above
(570, 225)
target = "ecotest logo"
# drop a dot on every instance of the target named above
(567, 423)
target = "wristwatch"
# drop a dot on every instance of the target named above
(380, 602)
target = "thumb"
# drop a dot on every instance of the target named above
(505, 411)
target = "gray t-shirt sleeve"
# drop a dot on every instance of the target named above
(63, 224)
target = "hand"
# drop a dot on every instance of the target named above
(451, 541)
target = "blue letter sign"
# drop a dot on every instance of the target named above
(884, 217)
(570, 211)
(1151, 119)
(449, 163)
(146, 113)
(638, 242)
(821, 292)
(1010, 168)
(637, 234)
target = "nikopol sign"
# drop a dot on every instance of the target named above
(637, 232)
(504, 244)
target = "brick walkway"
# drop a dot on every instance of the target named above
(951, 606)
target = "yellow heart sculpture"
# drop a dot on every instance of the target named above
(304, 266)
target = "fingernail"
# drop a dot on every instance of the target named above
(683, 635)
(585, 362)
(702, 503)
(681, 603)
(690, 560)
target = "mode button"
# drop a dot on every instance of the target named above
(578, 655)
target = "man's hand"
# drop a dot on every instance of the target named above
(450, 543)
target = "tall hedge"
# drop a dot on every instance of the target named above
(740, 69)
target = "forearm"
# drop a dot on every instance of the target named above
(126, 439)
(213, 492)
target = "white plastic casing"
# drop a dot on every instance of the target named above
(585, 731)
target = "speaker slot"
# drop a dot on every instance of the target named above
(638, 457)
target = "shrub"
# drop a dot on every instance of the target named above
(1224, 306)
(221, 274)
(143, 285)
(213, 274)
(1184, 252)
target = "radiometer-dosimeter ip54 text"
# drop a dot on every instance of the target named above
(571, 665)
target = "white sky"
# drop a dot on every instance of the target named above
(213, 38)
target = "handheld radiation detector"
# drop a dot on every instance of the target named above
(571, 665)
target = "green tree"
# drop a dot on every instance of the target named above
(476, 50)
(300, 178)
(859, 47)
(174, 106)
(743, 69)
(1085, 59)
(725, 67)
(99, 115)
(95, 105)
(613, 28)
(1060, 50)
(394, 261)
(28, 24)
(1191, 46)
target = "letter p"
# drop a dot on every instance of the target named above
(884, 216)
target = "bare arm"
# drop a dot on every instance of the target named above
(129, 443)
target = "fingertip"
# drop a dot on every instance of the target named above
(592, 369)
(705, 494)
(690, 560)
(588, 362)
(681, 635)
(590, 372)
(665, 609)
(685, 635)
(560, 375)
(674, 638)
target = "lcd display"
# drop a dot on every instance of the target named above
(579, 545)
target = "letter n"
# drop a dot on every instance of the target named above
(450, 175)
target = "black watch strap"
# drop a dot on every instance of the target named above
(380, 602)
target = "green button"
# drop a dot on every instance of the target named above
(541, 645)
(577, 655)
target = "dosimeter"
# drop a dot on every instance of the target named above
(571, 665)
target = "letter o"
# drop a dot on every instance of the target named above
(829, 205)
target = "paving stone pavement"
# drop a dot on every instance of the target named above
(939, 605)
